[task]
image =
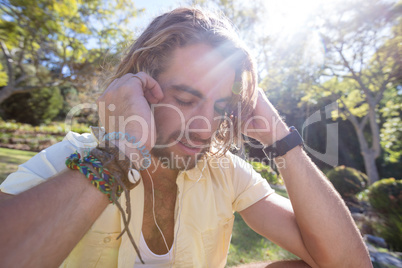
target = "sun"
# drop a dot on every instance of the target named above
(287, 17)
(288, 20)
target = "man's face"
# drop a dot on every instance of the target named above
(197, 85)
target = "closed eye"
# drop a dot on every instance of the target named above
(184, 103)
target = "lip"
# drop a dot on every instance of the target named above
(189, 150)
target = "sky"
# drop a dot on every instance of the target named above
(152, 9)
(284, 19)
(282, 15)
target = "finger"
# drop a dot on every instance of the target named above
(151, 86)
(150, 98)
(147, 93)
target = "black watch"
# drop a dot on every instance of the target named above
(284, 145)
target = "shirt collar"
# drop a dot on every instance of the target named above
(198, 173)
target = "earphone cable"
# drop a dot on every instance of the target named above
(153, 212)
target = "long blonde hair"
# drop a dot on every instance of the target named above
(185, 26)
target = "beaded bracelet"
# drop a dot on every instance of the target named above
(103, 180)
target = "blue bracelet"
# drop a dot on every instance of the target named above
(144, 152)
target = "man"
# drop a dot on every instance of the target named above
(180, 92)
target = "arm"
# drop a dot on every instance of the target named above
(273, 217)
(41, 226)
(315, 224)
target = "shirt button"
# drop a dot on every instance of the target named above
(106, 239)
(226, 226)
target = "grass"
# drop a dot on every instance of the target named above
(280, 190)
(246, 246)
(10, 159)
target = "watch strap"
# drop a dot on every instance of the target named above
(281, 147)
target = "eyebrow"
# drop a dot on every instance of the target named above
(189, 89)
(195, 92)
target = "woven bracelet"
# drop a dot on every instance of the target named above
(103, 180)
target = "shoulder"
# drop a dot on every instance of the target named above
(232, 165)
(247, 185)
(233, 171)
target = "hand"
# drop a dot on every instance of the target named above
(264, 124)
(125, 107)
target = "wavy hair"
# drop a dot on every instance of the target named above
(181, 27)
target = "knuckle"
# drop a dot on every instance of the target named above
(142, 74)
(126, 76)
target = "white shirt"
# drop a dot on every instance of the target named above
(151, 259)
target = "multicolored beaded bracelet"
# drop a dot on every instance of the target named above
(103, 180)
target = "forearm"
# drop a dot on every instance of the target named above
(325, 224)
(41, 226)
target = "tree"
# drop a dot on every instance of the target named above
(45, 43)
(363, 63)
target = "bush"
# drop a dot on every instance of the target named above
(36, 107)
(385, 196)
(347, 181)
(267, 173)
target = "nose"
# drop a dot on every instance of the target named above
(202, 124)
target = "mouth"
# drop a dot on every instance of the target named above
(191, 149)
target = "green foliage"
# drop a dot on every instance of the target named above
(385, 196)
(267, 173)
(3, 76)
(247, 246)
(45, 104)
(362, 66)
(37, 107)
(391, 131)
(390, 228)
(70, 98)
(36, 138)
(59, 128)
(347, 181)
(68, 38)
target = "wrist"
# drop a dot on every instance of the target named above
(278, 132)
(292, 140)
(97, 173)
(123, 147)
(113, 158)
